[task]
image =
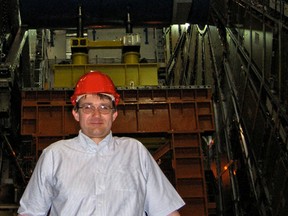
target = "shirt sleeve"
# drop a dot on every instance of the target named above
(161, 198)
(36, 199)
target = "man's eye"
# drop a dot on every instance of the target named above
(88, 106)
(103, 107)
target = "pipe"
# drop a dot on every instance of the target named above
(128, 23)
(80, 23)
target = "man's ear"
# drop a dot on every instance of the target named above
(115, 114)
(75, 114)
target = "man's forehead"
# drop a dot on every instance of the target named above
(101, 96)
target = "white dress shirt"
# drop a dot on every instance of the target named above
(117, 177)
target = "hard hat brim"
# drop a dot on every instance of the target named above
(109, 95)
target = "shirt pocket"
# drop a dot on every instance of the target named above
(124, 178)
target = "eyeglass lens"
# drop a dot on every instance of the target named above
(88, 108)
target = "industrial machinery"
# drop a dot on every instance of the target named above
(128, 73)
(174, 139)
(215, 90)
(180, 116)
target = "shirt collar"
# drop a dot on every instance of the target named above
(89, 145)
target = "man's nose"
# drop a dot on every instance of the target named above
(96, 111)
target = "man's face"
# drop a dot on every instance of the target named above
(96, 124)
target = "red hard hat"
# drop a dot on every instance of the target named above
(92, 83)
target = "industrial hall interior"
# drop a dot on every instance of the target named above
(202, 84)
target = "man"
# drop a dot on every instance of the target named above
(96, 173)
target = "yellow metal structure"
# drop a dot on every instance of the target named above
(131, 57)
(129, 74)
(86, 43)
(123, 75)
(80, 58)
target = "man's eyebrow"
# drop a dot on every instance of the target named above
(87, 103)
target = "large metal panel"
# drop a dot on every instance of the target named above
(189, 172)
(188, 168)
(153, 118)
(178, 116)
(183, 117)
(194, 206)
